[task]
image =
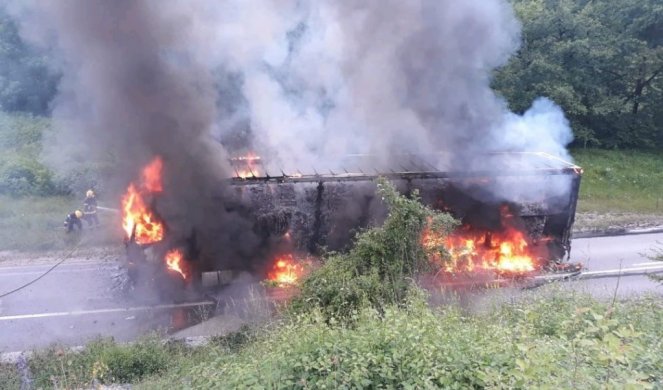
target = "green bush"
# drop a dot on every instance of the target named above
(9, 377)
(20, 131)
(21, 172)
(381, 265)
(235, 341)
(102, 361)
(21, 177)
(554, 339)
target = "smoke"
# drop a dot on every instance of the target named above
(542, 128)
(303, 82)
(324, 79)
(137, 82)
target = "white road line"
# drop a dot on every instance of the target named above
(63, 265)
(660, 263)
(103, 311)
(64, 271)
(623, 270)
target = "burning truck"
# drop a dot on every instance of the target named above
(299, 213)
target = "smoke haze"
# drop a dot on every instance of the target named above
(302, 82)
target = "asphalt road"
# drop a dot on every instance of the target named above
(607, 257)
(77, 302)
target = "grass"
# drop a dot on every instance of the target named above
(36, 223)
(547, 338)
(621, 181)
(559, 340)
(9, 376)
(104, 361)
(543, 339)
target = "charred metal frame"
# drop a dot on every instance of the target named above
(339, 177)
(429, 172)
(553, 166)
(399, 175)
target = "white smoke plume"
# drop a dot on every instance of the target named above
(328, 78)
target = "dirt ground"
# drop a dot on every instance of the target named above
(589, 222)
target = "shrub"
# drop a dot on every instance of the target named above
(21, 176)
(379, 268)
(553, 340)
(21, 172)
(102, 361)
(9, 377)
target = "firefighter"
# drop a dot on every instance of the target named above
(90, 208)
(73, 220)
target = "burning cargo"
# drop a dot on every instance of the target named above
(501, 230)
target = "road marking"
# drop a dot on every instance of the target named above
(660, 263)
(3, 274)
(46, 266)
(104, 311)
(624, 270)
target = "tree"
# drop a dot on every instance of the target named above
(26, 83)
(601, 61)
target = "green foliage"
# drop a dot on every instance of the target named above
(36, 223)
(102, 361)
(601, 61)
(379, 268)
(26, 83)
(21, 172)
(235, 341)
(41, 217)
(9, 377)
(545, 340)
(627, 181)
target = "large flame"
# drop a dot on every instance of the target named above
(506, 251)
(137, 219)
(286, 270)
(174, 261)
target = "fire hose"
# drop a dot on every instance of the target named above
(108, 209)
(62, 260)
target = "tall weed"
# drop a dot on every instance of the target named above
(378, 270)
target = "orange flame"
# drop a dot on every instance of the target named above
(505, 251)
(286, 271)
(174, 261)
(137, 219)
(152, 175)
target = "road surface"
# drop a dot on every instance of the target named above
(611, 256)
(76, 302)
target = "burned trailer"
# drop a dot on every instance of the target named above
(315, 209)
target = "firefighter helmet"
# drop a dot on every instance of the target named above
(78, 213)
(89, 194)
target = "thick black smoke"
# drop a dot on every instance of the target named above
(134, 87)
